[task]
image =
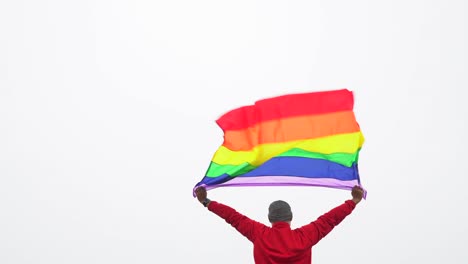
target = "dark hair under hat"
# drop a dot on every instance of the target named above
(279, 211)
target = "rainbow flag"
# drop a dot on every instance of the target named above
(309, 139)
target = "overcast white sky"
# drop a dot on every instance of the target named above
(107, 113)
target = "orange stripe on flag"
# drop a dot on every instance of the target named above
(290, 129)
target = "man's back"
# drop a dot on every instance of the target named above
(280, 244)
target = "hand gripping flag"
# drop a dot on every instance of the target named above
(309, 139)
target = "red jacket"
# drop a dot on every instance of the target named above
(279, 243)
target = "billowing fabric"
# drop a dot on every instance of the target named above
(309, 139)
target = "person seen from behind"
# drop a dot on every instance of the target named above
(279, 244)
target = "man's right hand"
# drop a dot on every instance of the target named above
(357, 192)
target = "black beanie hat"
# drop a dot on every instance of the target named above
(279, 211)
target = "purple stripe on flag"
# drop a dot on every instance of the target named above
(285, 181)
(288, 181)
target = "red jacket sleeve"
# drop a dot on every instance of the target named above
(246, 226)
(318, 229)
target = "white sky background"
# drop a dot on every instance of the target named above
(107, 121)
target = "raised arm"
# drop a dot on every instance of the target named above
(318, 229)
(246, 226)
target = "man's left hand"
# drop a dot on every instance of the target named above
(201, 194)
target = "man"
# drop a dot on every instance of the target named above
(279, 243)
